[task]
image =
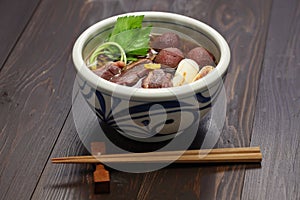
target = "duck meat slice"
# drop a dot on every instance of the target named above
(128, 79)
(109, 70)
(157, 79)
(132, 74)
(139, 70)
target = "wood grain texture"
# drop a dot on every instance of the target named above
(35, 92)
(70, 144)
(36, 85)
(66, 180)
(35, 99)
(277, 114)
(14, 17)
(244, 24)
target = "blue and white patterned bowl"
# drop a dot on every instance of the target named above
(152, 115)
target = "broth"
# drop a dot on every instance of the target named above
(171, 61)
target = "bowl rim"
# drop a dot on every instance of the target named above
(160, 93)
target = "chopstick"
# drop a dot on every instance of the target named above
(222, 155)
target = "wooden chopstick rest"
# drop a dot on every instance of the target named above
(101, 175)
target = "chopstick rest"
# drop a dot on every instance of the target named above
(101, 175)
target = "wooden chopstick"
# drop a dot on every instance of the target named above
(217, 158)
(222, 155)
(186, 152)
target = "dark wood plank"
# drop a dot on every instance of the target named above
(121, 183)
(35, 90)
(64, 180)
(14, 16)
(277, 115)
(244, 24)
(75, 181)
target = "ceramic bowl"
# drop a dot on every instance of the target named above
(151, 115)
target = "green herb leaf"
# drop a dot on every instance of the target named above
(127, 23)
(134, 42)
(131, 36)
(127, 41)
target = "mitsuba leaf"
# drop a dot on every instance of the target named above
(127, 23)
(131, 36)
(134, 42)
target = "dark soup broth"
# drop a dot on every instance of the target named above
(168, 61)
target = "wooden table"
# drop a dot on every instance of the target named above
(262, 87)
